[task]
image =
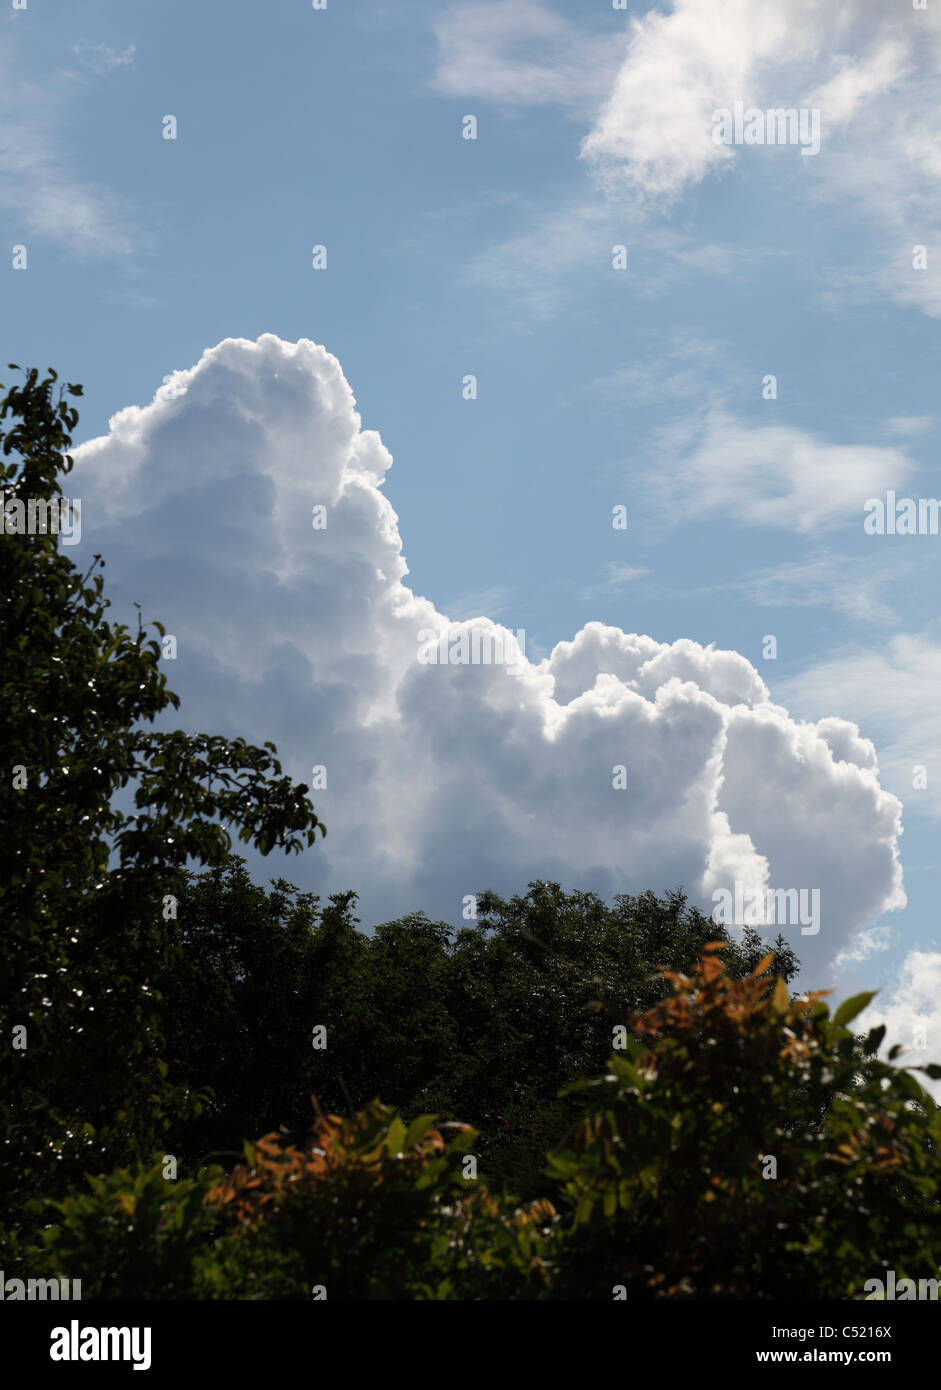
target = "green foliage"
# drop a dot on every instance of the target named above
(130, 1235)
(370, 1208)
(83, 882)
(745, 1145)
(355, 1212)
(248, 981)
(487, 1024)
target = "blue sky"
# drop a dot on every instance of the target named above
(596, 386)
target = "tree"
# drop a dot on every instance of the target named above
(85, 896)
(253, 974)
(485, 1025)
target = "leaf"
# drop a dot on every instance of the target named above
(780, 999)
(851, 1007)
(763, 965)
(711, 968)
(395, 1141)
(417, 1131)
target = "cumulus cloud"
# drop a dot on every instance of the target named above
(893, 691)
(445, 779)
(912, 1015)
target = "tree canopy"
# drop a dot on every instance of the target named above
(84, 885)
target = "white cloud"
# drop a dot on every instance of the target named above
(493, 600)
(617, 577)
(682, 369)
(858, 81)
(879, 110)
(444, 780)
(518, 53)
(534, 269)
(909, 424)
(654, 132)
(548, 265)
(867, 944)
(912, 1009)
(101, 58)
(41, 187)
(846, 583)
(891, 691)
(872, 71)
(768, 475)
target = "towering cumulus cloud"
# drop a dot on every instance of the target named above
(243, 508)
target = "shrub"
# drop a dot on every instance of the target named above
(747, 1145)
(370, 1209)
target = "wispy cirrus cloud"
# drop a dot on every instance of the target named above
(847, 584)
(42, 189)
(767, 475)
(519, 53)
(648, 94)
(617, 578)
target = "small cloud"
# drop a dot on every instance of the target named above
(618, 577)
(909, 424)
(42, 187)
(99, 58)
(683, 371)
(518, 53)
(847, 585)
(867, 944)
(768, 475)
(479, 603)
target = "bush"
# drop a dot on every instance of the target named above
(746, 1145)
(370, 1209)
(132, 1234)
(742, 1144)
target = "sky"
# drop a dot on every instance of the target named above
(562, 367)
